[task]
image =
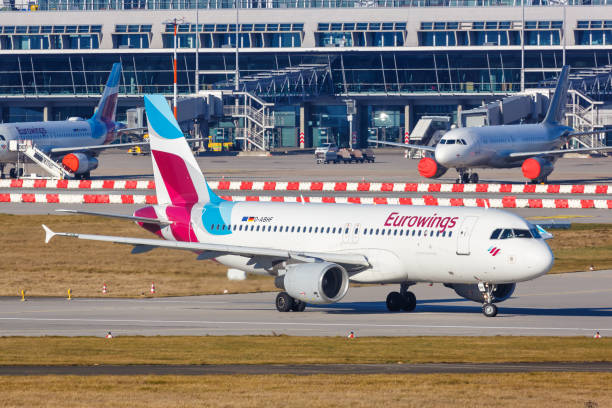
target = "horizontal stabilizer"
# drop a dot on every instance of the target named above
(120, 216)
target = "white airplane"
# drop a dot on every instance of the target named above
(533, 147)
(76, 141)
(314, 250)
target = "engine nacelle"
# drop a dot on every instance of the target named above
(471, 292)
(79, 163)
(536, 168)
(430, 168)
(316, 283)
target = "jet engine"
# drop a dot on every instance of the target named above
(79, 163)
(537, 168)
(471, 292)
(316, 283)
(428, 167)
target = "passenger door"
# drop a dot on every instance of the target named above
(463, 237)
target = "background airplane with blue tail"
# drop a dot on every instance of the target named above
(533, 147)
(75, 142)
(313, 251)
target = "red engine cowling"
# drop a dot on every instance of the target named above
(79, 163)
(536, 168)
(429, 168)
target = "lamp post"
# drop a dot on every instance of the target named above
(174, 22)
(197, 53)
(523, 46)
(237, 76)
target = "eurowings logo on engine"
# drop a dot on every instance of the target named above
(494, 250)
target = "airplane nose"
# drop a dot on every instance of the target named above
(543, 259)
(443, 155)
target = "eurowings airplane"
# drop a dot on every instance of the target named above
(533, 147)
(76, 142)
(313, 251)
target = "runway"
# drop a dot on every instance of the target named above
(575, 304)
(305, 369)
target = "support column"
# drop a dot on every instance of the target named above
(303, 134)
(459, 111)
(408, 121)
(47, 113)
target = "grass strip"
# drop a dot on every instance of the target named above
(50, 269)
(298, 350)
(451, 390)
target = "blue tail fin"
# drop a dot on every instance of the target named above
(108, 103)
(556, 108)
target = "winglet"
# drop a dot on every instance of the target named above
(48, 233)
(543, 233)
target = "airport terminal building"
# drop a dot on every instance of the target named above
(313, 63)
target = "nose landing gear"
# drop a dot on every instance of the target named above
(466, 177)
(402, 300)
(488, 308)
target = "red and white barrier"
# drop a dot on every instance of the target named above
(504, 202)
(79, 184)
(226, 185)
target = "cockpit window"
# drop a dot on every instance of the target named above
(522, 233)
(463, 142)
(496, 233)
(450, 141)
(2, 138)
(442, 141)
(535, 233)
(508, 233)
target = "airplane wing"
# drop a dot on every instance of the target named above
(60, 150)
(405, 145)
(123, 217)
(145, 244)
(559, 151)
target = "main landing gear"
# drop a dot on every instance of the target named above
(285, 303)
(488, 308)
(466, 177)
(402, 300)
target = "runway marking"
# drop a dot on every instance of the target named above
(252, 323)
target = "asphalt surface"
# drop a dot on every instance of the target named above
(390, 166)
(576, 304)
(306, 369)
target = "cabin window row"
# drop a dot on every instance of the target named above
(331, 230)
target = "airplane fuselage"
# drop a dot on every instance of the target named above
(56, 134)
(402, 243)
(491, 146)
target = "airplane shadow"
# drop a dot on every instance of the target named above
(438, 306)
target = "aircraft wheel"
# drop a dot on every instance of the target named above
(474, 178)
(13, 173)
(489, 310)
(465, 178)
(409, 302)
(395, 301)
(284, 302)
(298, 305)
